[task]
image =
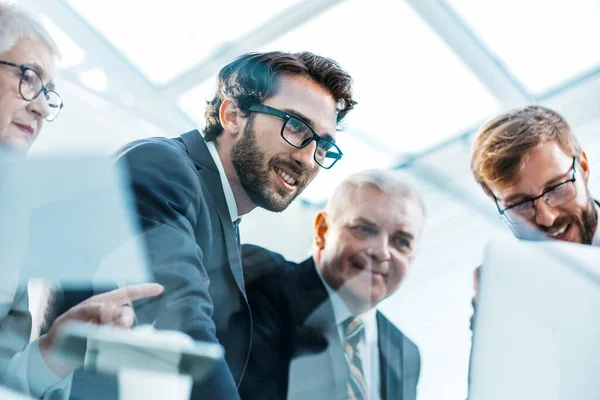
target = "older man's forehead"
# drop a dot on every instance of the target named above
(389, 206)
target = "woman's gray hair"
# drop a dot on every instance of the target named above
(387, 181)
(17, 23)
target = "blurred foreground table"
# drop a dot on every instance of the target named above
(150, 364)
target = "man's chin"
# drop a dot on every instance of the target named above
(364, 297)
(282, 199)
(274, 203)
(361, 302)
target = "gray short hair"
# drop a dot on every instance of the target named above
(17, 23)
(388, 181)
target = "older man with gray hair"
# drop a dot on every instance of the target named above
(318, 334)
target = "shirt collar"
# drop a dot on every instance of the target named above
(596, 239)
(341, 312)
(229, 197)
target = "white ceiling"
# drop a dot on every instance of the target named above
(543, 43)
(425, 71)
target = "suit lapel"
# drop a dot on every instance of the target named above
(390, 361)
(411, 368)
(207, 169)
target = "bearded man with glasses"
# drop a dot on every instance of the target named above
(529, 162)
(270, 128)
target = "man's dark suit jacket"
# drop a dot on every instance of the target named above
(193, 252)
(292, 316)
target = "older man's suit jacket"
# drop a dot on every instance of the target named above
(193, 252)
(296, 351)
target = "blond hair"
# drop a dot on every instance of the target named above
(502, 143)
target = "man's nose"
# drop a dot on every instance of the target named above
(305, 156)
(380, 251)
(545, 215)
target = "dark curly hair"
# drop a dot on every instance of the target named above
(252, 78)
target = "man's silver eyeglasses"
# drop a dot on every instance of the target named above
(555, 196)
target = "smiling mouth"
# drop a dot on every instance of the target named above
(287, 179)
(559, 234)
(362, 266)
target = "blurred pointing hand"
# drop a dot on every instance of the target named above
(110, 308)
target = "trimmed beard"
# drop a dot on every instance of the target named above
(249, 162)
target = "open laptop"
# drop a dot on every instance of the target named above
(69, 220)
(537, 331)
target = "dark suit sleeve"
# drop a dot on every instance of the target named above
(267, 371)
(278, 331)
(171, 207)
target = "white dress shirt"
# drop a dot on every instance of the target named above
(229, 197)
(368, 347)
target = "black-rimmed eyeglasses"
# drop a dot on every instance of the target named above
(298, 133)
(555, 196)
(31, 86)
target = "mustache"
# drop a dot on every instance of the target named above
(585, 221)
(559, 223)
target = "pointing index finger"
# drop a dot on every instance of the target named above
(127, 294)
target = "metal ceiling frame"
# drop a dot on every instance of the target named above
(276, 26)
(491, 71)
(459, 37)
(155, 104)
(577, 99)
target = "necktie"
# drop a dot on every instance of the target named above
(354, 331)
(236, 229)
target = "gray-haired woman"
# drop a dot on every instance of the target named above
(28, 97)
